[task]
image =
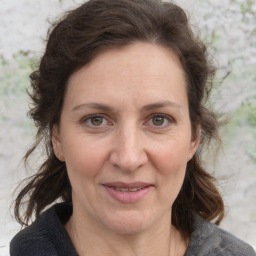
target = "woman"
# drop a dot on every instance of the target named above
(118, 103)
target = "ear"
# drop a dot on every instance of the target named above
(194, 143)
(56, 142)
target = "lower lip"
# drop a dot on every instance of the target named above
(128, 197)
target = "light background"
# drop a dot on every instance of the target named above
(228, 25)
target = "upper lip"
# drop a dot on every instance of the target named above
(126, 185)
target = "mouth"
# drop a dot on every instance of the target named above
(127, 187)
(127, 192)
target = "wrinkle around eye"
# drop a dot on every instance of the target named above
(168, 122)
(87, 122)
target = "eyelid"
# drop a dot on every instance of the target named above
(84, 119)
(170, 119)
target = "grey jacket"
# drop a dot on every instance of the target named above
(47, 237)
(209, 240)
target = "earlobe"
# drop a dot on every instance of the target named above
(194, 144)
(56, 142)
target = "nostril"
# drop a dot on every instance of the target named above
(127, 162)
(128, 152)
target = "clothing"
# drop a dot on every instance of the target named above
(48, 237)
(209, 240)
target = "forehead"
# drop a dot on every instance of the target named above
(151, 59)
(137, 69)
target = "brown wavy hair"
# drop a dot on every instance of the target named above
(73, 41)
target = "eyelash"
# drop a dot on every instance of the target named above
(169, 119)
(90, 117)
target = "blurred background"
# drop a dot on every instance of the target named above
(228, 26)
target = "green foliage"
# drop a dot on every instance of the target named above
(252, 116)
(232, 33)
(14, 80)
(246, 6)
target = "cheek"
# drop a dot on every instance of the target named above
(84, 157)
(171, 158)
(170, 162)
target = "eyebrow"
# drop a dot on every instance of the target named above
(148, 107)
(161, 104)
(96, 106)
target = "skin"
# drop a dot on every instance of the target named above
(127, 87)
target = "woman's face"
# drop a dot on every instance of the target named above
(125, 135)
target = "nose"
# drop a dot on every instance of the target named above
(128, 150)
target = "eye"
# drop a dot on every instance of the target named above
(160, 120)
(94, 121)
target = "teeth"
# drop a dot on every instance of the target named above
(122, 189)
(128, 189)
(135, 189)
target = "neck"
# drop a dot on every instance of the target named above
(90, 240)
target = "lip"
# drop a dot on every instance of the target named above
(127, 197)
(127, 185)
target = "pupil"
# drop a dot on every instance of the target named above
(158, 121)
(97, 120)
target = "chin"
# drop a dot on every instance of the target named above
(128, 223)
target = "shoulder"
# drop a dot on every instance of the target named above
(28, 242)
(208, 239)
(45, 236)
(33, 239)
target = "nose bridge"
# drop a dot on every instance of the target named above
(128, 151)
